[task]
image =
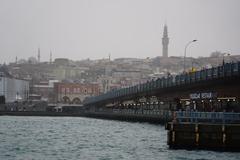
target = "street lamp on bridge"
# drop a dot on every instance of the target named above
(185, 52)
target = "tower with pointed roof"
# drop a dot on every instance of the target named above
(165, 42)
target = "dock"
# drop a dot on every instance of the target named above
(204, 130)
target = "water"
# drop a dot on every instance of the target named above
(57, 138)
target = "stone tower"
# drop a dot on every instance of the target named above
(165, 41)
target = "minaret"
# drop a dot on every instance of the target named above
(38, 55)
(50, 57)
(165, 41)
(109, 57)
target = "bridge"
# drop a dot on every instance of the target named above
(213, 89)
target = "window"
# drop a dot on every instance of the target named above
(74, 90)
(67, 90)
(89, 90)
(63, 90)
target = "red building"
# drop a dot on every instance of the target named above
(74, 92)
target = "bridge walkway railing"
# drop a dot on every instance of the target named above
(213, 117)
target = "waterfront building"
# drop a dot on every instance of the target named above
(44, 90)
(13, 89)
(74, 92)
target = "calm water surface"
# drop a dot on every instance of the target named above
(57, 138)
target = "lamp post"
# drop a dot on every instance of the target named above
(185, 52)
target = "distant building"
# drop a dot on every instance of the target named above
(68, 72)
(44, 90)
(61, 61)
(13, 89)
(74, 93)
(165, 42)
(135, 74)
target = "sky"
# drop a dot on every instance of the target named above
(81, 29)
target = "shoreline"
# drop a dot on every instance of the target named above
(109, 116)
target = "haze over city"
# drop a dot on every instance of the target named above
(81, 29)
(120, 79)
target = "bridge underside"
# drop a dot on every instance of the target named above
(158, 105)
(222, 88)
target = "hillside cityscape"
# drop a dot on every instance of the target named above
(64, 80)
(94, 77)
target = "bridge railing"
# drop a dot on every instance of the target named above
(213, 117)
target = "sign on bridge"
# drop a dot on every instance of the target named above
(205, 95)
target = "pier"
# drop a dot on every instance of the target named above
(204, 130)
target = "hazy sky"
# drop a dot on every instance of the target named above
(80, 29)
